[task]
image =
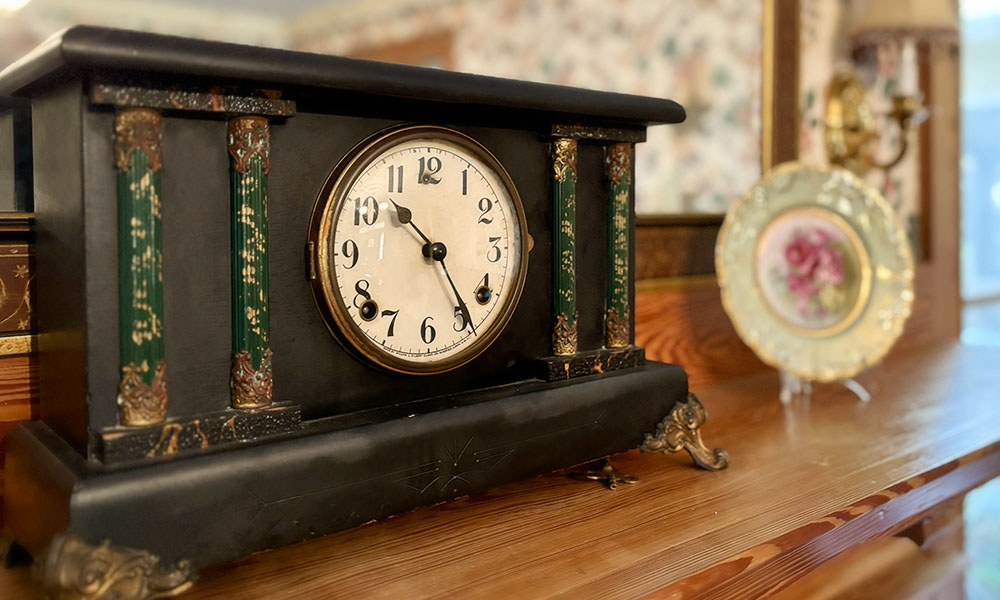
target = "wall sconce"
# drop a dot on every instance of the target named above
(851, 124)
(850, 121)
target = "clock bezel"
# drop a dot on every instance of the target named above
(329, 203)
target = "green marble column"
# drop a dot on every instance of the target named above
(564, 338)
(142, 391)
(249, 146)
(616, 318)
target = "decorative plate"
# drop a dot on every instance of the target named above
(816, 272)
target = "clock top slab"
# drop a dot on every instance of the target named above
(97, 50)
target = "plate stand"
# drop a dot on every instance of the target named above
(794, 387)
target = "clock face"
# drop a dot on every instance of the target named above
(419, 239)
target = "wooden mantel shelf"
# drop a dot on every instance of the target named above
(806, 482)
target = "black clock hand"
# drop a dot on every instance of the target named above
(435, 251)
(461, 303)
(404, 215)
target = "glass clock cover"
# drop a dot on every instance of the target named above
(419, 240)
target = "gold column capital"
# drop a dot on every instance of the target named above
(619, 161)
(249, 136)
(565, 159)
(138, 129)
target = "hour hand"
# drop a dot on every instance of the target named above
(402, 213)
(405, 218)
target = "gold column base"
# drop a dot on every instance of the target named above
(681, 430)
(73, 570)
(251, 388)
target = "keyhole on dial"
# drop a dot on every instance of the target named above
(483, 294)
(369, 310)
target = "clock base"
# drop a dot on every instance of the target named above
(215, 505)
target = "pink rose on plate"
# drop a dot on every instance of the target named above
(804, 291)
(801, 255)
(830, 266)
(814, 271)
(820, 237)
(801, 285)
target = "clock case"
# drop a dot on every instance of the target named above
(342, 443)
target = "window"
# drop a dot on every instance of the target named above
(980, 163)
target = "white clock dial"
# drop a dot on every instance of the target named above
(424, 250)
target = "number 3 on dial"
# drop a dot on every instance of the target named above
(418, 275)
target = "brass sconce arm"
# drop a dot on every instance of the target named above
(850, 125)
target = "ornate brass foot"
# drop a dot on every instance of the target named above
(74, 570)
(609, 475)
(681, 429)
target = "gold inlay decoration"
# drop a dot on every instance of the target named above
(138, 129)
(168, 442)
(251, 388)
(681, 430)
(619, 161)
(75, 570)
(143, 404)
(565, 159)
(564, 339)
(249, 137)
(616, 329)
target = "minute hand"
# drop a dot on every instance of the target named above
(461, 303)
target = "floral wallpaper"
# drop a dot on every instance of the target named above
(705, 55)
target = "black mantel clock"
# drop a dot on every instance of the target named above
(282, 294)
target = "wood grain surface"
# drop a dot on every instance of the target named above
(807, 482)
